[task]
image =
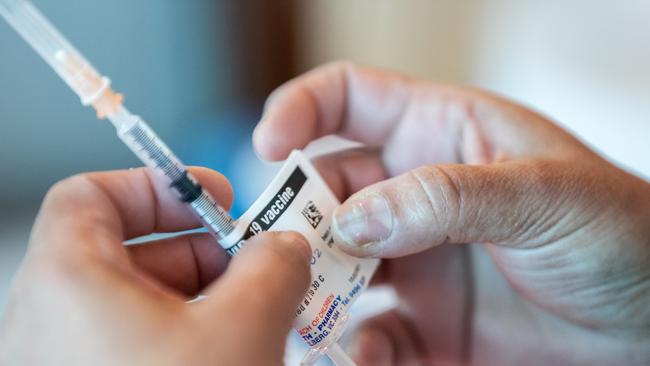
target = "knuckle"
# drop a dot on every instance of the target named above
(66, 187)
(442, 191)
(564, 194)
(544, 174)
(557, 181)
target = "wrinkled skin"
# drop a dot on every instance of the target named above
(560, 273)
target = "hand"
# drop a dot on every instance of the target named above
(83, 298)
(563, 274)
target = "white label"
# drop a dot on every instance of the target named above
(299, 200)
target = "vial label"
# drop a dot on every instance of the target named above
(298, 199)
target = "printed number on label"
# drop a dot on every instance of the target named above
(317, 253)
(255, 228)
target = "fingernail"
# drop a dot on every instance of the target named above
(364, 221)
(297, 240)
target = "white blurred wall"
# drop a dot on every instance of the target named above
(431, 39)
(584, 63)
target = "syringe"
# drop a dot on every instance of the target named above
(94, 89)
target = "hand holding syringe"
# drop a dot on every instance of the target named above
(95, 90)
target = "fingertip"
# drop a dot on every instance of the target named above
(264, 135)
(265, 143)
(277, 266)
(285, 244)
(298, 243)
(216, 184)
(289, 122)
(288, 254)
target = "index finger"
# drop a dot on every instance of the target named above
(372, 106)
(98, 211)
(335, 98)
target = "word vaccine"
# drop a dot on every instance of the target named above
(299, 200)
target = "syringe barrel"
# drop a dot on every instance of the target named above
(141, 139)
(94, 89)
(153, 152)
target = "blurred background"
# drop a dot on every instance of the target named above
(199, 72)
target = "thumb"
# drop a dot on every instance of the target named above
(264, 284)
(516, 203)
